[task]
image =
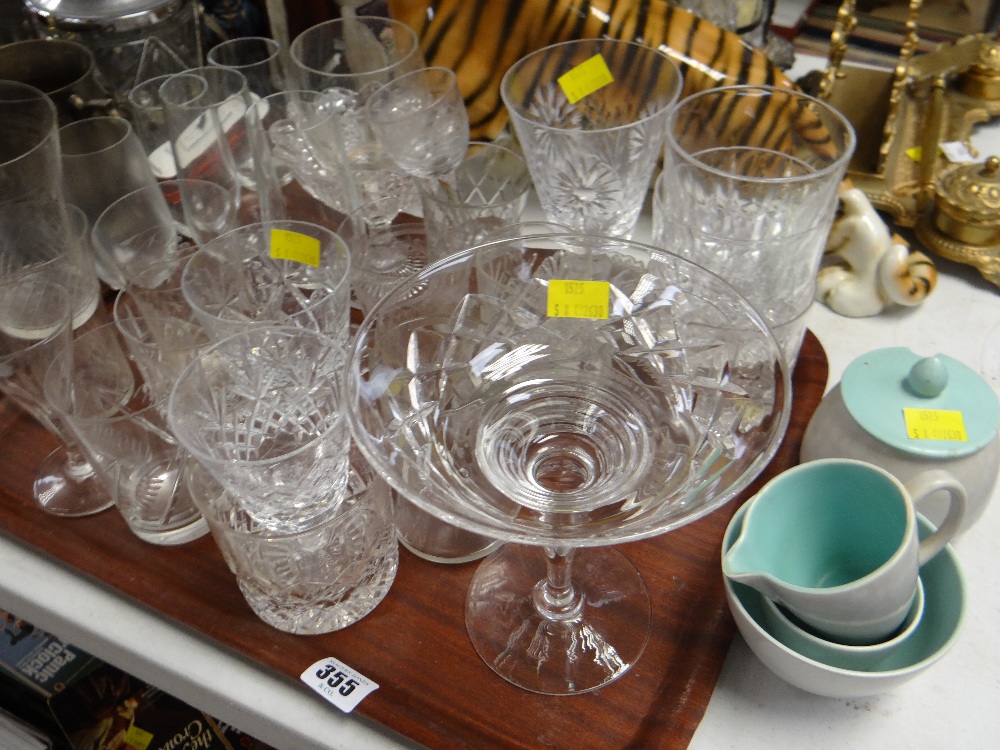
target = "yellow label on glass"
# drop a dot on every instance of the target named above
(138, 738)
(578, 299)
(586, 78)
(935, 424)
(286, 245)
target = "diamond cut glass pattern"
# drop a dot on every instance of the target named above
(565, 434)
(592, 159)
(261, 411)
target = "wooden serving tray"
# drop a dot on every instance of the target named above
(434, 688)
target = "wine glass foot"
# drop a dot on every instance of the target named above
(68, 488)
(590, 647)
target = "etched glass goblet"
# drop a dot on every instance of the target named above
(37, 313)
(97, 387)
(348, 59)
(421, 122)
(601, 392)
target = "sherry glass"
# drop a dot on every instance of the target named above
(37, 314)
(348, 59)
(421, 122)
(602, 391)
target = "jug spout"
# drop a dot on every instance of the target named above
(743, 564)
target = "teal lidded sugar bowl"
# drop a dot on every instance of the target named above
(908, 413)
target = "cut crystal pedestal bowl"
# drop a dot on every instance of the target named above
(564, 393)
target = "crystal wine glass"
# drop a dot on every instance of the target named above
(600, 392)
(38, 311)
(348, 59)
(421, 122)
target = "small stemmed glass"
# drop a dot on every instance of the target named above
(37, 314)
(421, 122)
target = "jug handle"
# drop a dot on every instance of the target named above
(927, 483)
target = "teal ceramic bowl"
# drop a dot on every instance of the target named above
(934, 635)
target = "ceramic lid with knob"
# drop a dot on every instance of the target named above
(934, 407)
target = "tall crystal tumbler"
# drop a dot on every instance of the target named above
(263, 411)
(204, 110)
(272, 273)
(259, 59)
(744, 263)
(349, 59)
(590, 116)
(759, 166)
(323, 576)
(486, 191)
(97, 387)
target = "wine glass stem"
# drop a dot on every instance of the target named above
(77, 465)
(555, 597)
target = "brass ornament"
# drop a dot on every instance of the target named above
(964, 223)
(903, 116)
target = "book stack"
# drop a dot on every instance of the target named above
(881, 31)
(54, 696)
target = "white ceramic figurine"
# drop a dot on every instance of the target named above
(874, 268)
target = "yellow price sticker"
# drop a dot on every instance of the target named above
(138, 738)
(586, 78)
(286, 245)
(935, 424)
(578, 299)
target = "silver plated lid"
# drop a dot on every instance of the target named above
(114, 15)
